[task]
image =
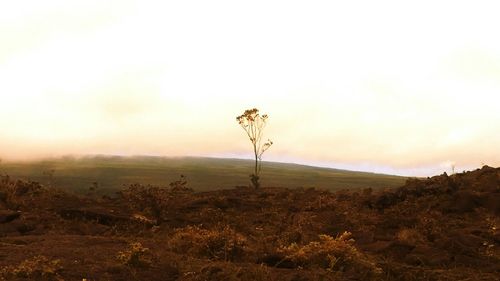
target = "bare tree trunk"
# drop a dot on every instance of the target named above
(255, 176)
(256, 171)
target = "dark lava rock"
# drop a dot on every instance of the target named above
(101, 216)
(462, 202)
(276, 260)
(8, 216)
(425, 255)
(3, 196)
(491, 202)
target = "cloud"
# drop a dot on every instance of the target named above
(352, 83)
(26, 25)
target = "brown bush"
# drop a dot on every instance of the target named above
(333, 254)
(155, 201)
(36, 268)
(222, 243)
(18, 193)
(410, 236)
(135, 256)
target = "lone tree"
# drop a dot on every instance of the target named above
(253, 123)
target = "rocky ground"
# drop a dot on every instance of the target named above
(440, 228)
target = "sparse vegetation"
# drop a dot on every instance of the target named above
(253, 123)
(442, 228)
(154, 201)
(135, 256)
(410, 236)
(19, 192)
(331, 253)
(35, 268)
(220, 243)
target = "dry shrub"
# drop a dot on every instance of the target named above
(222, 243)
(135, 256)
(410, 236)
(18, 193)
(155, 201)
(36, 268)
(333, 254)
(21, 194)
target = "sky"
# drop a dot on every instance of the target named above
(381, 86)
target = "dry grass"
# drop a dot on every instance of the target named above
(221, 243)
(35, 268)
(331, 253)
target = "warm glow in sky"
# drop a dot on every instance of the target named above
(384, 86)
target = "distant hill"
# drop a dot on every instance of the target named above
(203, 174)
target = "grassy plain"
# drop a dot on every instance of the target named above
(203, 174)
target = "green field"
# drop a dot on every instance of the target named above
(203, 174)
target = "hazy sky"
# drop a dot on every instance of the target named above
(385, 86)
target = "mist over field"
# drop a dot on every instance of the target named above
(383, 87)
